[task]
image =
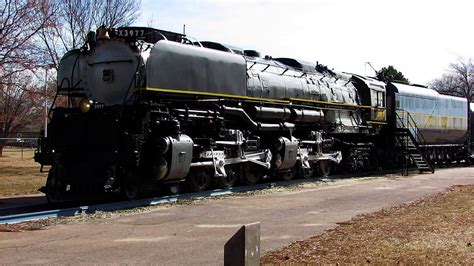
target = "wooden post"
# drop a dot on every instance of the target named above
(243, 248)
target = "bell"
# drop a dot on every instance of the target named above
(103, 33)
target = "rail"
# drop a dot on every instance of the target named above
(34, 216)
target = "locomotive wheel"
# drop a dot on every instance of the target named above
(307, 172)
(199, 179)
(131, 191)
(233, 173)
(324, 168)
(252, 173)
(53, 185)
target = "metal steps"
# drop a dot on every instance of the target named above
(407, 141)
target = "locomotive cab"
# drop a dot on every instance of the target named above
(373, 95)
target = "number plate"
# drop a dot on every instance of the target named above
(131, 32)
(209, 154)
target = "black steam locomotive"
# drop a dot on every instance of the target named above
(142, 108)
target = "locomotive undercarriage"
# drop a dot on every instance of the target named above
(446, 154)
(197, 144)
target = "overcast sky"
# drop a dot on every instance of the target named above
(420, 38)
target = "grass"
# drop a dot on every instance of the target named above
(435, 230)
(19, 176)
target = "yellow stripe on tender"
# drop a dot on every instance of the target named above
(441, 128)
(433, 115)
(202, 93)
(438, 122)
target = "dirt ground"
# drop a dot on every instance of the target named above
(19, 174)
(434, 230)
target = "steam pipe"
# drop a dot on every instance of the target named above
(244, 117)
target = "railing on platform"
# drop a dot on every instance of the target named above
(405, 121)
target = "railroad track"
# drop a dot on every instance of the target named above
(22, 208)
(113, 206)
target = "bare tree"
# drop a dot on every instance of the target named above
(458, 82)
(20, 21)
(114, 13)
(20, 105)
(76, 18)
(67, 29)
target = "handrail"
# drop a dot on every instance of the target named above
(411, 125)
(281, 66)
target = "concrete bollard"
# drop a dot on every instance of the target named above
(243, 248)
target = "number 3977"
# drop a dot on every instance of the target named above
(131, 33)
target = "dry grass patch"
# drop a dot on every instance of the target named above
(19, 176)
(435, 230)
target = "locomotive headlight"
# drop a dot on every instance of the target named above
(85, 105)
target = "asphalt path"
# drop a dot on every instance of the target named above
(195, 234)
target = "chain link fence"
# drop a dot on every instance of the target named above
(20, 145)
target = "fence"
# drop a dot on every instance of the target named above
(21, 143)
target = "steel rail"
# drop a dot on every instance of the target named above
(34, 216)
(20, 207)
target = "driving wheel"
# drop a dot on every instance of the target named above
(199, 179)
(324, 168)
(233, 172)
(252, 173)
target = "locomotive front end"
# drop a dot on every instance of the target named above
(85, 142)
(110, 72)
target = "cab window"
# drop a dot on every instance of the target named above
(380, 99)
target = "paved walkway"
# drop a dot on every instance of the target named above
(195, 234)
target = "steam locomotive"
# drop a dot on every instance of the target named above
(139, 109)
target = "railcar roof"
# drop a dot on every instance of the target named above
(415, 90)
(424, 92)
(370, 82)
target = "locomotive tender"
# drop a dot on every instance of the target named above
(145, 108)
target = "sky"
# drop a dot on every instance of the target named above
(419, 37)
